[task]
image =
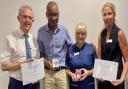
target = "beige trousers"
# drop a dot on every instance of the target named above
(55, 79)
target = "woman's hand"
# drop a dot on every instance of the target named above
(75, 77)
(84, 73)
(117, 82)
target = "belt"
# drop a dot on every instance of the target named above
(58, 68)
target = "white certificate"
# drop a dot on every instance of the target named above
(32, 71)
(106, 70)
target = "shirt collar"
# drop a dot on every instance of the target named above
(21, 33)
(80, 48)
(56, 30)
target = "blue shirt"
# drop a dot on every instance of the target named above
(52, 44)
(81, 58)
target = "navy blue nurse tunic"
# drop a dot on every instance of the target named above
(81, 58)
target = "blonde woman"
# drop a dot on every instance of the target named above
(80, 60)
(112, 45)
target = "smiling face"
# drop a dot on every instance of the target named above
(25, 19)
(108, 13)
(80, 34)
(52, 14)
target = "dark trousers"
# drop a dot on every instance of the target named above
(89, 86)
(15, 84)
(108, 85)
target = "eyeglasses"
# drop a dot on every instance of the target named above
(27, 17)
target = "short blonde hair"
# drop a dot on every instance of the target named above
(111, 6)
(81, 26)
(22, 8)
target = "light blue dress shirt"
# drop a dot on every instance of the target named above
(52, 44)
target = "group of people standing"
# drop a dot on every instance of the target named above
(74, 67)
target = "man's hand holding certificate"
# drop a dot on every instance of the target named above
(106, 70)
(32, 71)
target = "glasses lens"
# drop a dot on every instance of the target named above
(27, 17)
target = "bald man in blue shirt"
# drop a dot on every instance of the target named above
(52, 39)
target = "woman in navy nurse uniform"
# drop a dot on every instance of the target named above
(80, 60)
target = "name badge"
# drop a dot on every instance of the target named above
(109, 41)
(77, 53)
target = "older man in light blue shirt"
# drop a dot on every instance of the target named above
(52, 40)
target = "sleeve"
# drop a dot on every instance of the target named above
(67, 63)
(40, 43)
(68, 39)
(37, 48)
(93, 54)
(6, 54)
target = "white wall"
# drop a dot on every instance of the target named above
(71, 13)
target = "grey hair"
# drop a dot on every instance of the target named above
(24, 7)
